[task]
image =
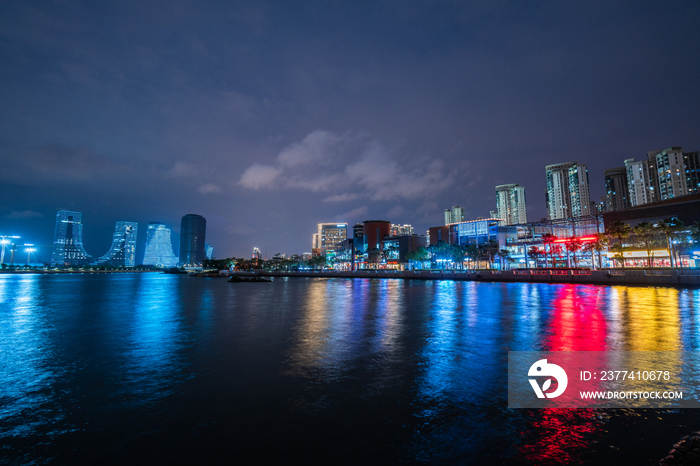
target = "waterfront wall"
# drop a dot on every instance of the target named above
(660, 277)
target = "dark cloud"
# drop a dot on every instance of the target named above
(268, 117)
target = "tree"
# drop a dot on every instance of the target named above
(503, 256)
(555, 249)
(618, 251)
(647, 236)
(471, 250)
(670, 228)
(573, 245)
(535, 252)
(419, 255)
(489, 250)
(548, 239)
(619, 230)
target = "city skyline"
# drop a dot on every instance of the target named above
(300, 117)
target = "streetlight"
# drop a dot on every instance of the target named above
(29, 251)
(4, 241)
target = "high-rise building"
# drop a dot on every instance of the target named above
(68, 240)
(400, 230)
(454, 215)
(616, 189)
(329, 235)
(510, 204)
(193, 229)
(639, 182)
(568, 195)
(122, 253)
(671, 173)
(159, 249)
(209, 251)
(256, 253)
(691, 161)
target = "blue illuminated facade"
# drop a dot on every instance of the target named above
(123, 250)
(68, 240)
(159, 249)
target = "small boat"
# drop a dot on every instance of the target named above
(239, 279)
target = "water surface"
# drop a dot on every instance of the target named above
(152, 368)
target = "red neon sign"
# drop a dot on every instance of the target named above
(583, 239)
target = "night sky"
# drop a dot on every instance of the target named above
(269, 117)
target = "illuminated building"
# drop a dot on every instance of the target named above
(329, 235)
(122, 253)
(159, 249)
(510, 204)
(256, 253)
(616, 189)
(691, 161)
(671, 173)
(397, 247)
(568, 194)
(68, 240)
(209, 251)
(454, 215)
(193, 229)
(639, 182)
(401, 230)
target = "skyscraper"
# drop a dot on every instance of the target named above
(568, 195)
(671, 173)
(159, 248)
(193, 230)
(454, 215)
(122, 253)
(639, 181)
(68, 240)
(616, 189)
(510, 203)
(209, 251)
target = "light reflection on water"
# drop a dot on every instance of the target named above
(371, 370)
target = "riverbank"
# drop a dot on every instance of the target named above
(660, 277)
(41, 271)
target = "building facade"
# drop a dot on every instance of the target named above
(193, 229)
(401, 230)
(454, 215)
(328, 236)
(568, 193)
(510, 204)
(159, 247)
(68, 247)
(616, 189)
(122, 253)
(671, 173)
(639, 182)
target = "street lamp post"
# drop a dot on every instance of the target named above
(4, 241)
(29, 250)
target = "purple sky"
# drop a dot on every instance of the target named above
(269, 117)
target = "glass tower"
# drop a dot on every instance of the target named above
(123, 250)
(193, 229)
(68, 240)
(159, 249)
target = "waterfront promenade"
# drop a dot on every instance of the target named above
(654, 277)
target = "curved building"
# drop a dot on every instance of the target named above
(193, 230)
(123, 250)
(159, 249)
(68, 240)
